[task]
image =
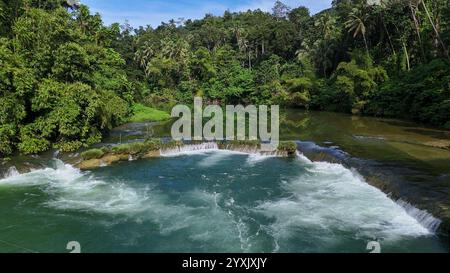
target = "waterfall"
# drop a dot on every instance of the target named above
(210, 146)
(426, 219)
(254, 150)
(12, 171)
(302, 158)
(246, 149)
(422, 216)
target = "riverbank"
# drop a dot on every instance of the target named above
(142, 113)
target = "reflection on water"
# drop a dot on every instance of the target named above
(372, 138)
(364, 137)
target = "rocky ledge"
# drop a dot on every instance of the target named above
(105, 156)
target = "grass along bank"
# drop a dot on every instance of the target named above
(142, 113)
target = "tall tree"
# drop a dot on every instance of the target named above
(436, 31)
(280, 10)
(357, 24)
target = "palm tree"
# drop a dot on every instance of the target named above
(245, 46)
(357, 24)
(327, 24)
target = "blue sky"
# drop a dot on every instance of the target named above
(153, 12)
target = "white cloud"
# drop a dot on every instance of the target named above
(267, 5)
(154, 12)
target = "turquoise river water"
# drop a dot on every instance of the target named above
(205, 201)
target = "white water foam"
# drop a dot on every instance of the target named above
(214, 158)
(424, 217)
(12, 171)
(71, 189)
(302, 158)
(190, 149)
(254, 159)
(326, 198)
(216, 155)
(329, 197)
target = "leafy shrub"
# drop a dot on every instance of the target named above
(68, 146)
(129, 148)
(143, 113)
(172, 144)
(288, 146)
(241, 142)
(7, 133)
(421, 95)
(153, 144)
(58, 88)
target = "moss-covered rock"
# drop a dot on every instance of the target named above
(152, 154)
(93, 154)
(288, 146)
(89, 164)
(96, 158)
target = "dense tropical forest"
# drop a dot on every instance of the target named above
(66, 78)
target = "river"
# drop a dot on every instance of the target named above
(355, 180)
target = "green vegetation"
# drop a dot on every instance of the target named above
(93, 154)
(256, 143)
(143, 113)
(288, 146)
(61, 84)
(239, 143)
(130, 148)
(144, 147)
(423, 94)
(66, 79)
(358, 57)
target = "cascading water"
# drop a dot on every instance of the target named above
(212, 146)
(209, 200)
(178, 150)
(12, 171)
(424, 217)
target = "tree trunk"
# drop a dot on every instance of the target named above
(407, 56)
(389, 37)
(417, 28)
(438, 36)
(365, 43)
